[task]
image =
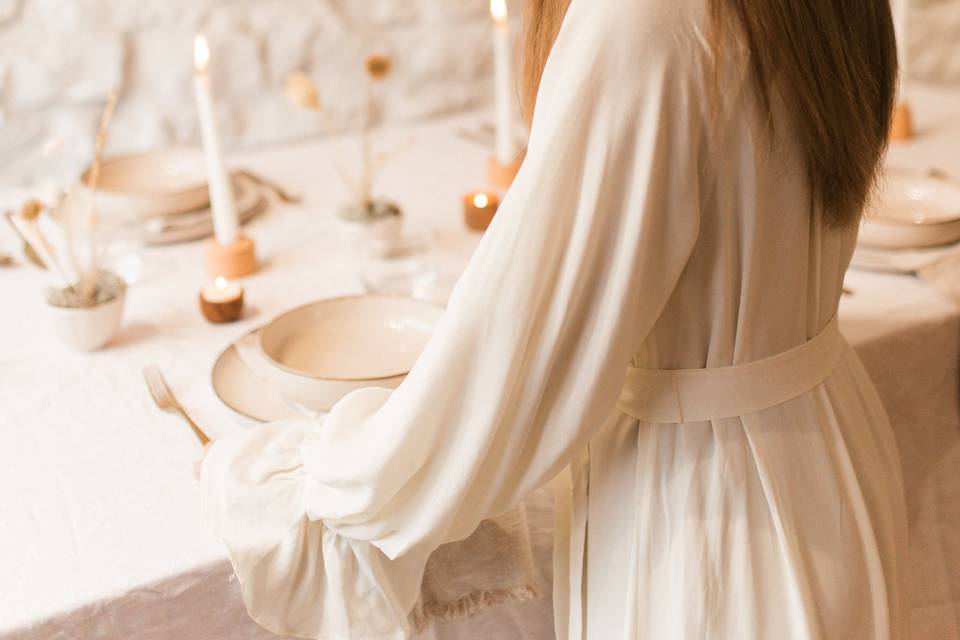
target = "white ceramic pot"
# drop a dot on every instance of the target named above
(317, 354)
(88, 328)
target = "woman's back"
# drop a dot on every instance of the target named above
(766, 273)
(733, 501)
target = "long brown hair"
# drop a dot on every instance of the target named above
(833, 62)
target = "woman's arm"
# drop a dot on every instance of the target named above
(329, 527)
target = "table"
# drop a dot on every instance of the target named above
(101, 534)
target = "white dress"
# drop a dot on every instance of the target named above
(650, 226)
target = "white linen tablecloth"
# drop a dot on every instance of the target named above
(100, 527)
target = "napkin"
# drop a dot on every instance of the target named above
(493, 566)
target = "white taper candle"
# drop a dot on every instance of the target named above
(505, 150)
(226, 226)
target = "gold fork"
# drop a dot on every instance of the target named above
(163, 396)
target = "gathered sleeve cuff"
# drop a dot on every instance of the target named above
(297, 576)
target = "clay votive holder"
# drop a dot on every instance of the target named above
(501, 175)
(234, 260)
(902, 126)
(221, 301)
(479, 208)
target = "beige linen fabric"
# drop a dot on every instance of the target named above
(647, 229)
(491, 567)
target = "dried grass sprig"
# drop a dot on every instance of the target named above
(89, 274)
(302, 92)
(76, 213)
(26, 227)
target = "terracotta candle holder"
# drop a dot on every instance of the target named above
(234, 260)
(479, 209)
(501, 175)
(902, 127)
(221, 301)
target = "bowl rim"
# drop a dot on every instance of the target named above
(304, 374)
(932, 175)
(194, 151)
(910, 224)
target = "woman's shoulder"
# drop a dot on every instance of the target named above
(641, 31)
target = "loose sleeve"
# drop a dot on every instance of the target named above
(329, 525)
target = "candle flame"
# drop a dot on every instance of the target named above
(498, 9)
(481, 201)
(201, 52)
(220, 282)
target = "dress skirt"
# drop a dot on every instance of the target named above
(784, 524)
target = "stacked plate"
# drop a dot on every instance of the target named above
(915, 221)
(163, 195)
(307, 359)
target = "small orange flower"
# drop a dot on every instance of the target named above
(31, 209)
(301, 91)
(379, 65)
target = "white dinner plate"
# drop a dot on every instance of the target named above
(899, 260)
(198, 224)
(914, 210)
(242, 390)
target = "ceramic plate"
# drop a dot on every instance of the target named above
(150, 184)
(198, 224)
(899, 260)
(914, 211)
(243, 391)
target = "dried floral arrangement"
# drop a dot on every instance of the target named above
(79, 259)
(365, 206)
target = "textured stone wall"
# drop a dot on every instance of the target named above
(935, 41)
(59, 58)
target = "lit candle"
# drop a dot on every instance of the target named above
(479, 209)
(503, 88)
(225, 222)
(221, 301)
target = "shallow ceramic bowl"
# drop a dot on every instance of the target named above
(320, 352)
(914, 211)
(151, 184)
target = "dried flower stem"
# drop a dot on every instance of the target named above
(98, 148)
(89, 276)
(302, 92)
(34, 238)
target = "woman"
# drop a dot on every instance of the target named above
(653, 308)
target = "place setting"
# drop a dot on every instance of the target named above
(305, 360)
(912, 224)
(914, 221)
(913, 228)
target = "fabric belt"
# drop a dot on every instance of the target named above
(693, 395)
